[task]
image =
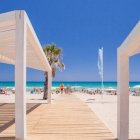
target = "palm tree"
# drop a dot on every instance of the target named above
(54, 56)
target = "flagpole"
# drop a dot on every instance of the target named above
(102, 85)
(100, 67)
(102, 73)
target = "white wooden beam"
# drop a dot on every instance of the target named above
(7, 16)
(33, 38)
(123, 96)
(132, 43)
(49, 86)
(20, 75)
(7, 39)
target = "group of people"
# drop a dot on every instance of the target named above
(7, 91)
(3, 91)
(99, 92)
(36, 91)
(63, 90)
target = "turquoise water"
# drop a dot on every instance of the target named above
(73, 84)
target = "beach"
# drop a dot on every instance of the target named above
(63, 65)
(106, 109)
(104, 106)
(30, 98)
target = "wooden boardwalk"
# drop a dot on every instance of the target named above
(67, 118)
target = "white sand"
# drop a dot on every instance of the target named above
(30, 98)
(106, 109)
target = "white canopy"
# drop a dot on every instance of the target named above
(35, 56)
(20, 46)
(130, 47)
(131, 44)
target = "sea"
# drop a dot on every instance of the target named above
(83, 84)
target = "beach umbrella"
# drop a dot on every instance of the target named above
(137, 87)
(13, 88)
(110, 89)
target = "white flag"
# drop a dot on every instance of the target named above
(100, 62)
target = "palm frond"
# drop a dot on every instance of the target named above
(60, 65)
(54, 56)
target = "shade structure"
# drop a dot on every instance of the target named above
(20, 46)
(35, 56)
(130, 47)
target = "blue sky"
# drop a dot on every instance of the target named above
(80, 27)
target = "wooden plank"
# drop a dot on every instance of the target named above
(66, 118)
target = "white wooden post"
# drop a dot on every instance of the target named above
(123, 96)
(49, 86)
(20, 75)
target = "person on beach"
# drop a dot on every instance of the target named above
(62, 88)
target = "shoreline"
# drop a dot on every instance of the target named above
(72, 84)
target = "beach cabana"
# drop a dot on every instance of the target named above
(128, 48)
(20, 46)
